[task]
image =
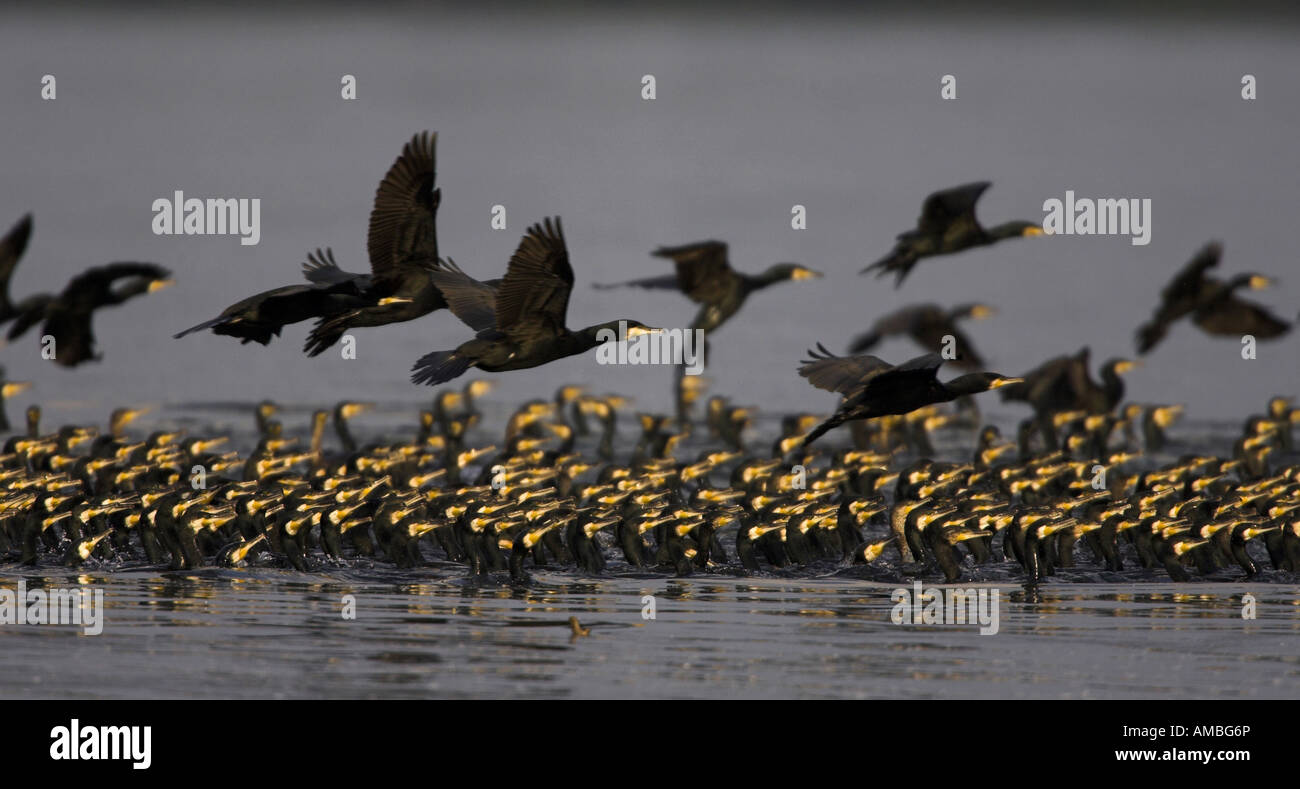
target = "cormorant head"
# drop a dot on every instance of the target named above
(616, 331)
(346, 410)
(478, 387)
(567, 394)
(1258, 281)
(156, 285)
(448, 399)
(976, 311)
(1122, 366)
(122, 417)
(784, 271)
(1016, 230)
(139, 278)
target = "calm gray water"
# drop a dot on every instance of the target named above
(264, 634)
(544, 116)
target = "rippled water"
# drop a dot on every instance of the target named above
(254, 634)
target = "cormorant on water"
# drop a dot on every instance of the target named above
(1064, 383)
(947, 224)
(927, 325)
(523, 324)
(9, 389)
(872, 387)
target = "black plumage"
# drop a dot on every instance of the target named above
(522, 324)
(872, 387)
(947, 224)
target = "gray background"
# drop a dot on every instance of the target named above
(756, 111)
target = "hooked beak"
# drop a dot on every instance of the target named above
(1029, 232)
(1127, 365)
(1000, 382)
(805, 273)
(638, 331)
(159, 284)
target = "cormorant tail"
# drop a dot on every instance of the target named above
(200, 327)
(899, 263)
(825, 427)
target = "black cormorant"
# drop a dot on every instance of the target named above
(707, 278)
(947, 225)
(1212, 303)
(403, 248)
(872, 387)
(522, 325)
(67, 316)
(260, 317)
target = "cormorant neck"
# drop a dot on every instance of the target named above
(772, 276)
(344, 434)
(969, 384)
(597, 334)
(317, 434)
(1008, 230)
(1113, 384)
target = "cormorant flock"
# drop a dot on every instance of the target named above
(1086, 483)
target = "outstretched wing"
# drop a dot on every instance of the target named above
(29, 312)
(472, 301)
(12, 247)
(403, 221)
(1185, 287)
(91, 288)
(321, 269)
(534, 294)
(1234, 316)
(951, 211)
(702, 268)
(846, 375)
